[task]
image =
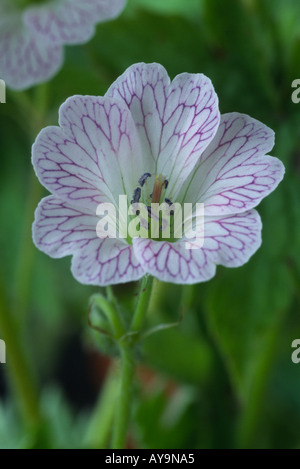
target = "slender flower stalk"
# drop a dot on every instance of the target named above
(124, 400)
(127, 353)
(142, 305)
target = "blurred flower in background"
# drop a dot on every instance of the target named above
(32, 35)
(171, 133)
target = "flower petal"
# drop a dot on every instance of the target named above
(106, 262)
(25, 60)
(234, 174)
(70, 21)
(229, 241)
(232, 240)
(172, 262)
(60, 230)
(176, 121)
(94, 156)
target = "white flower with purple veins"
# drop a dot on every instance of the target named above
(146, 125)
(33, 33)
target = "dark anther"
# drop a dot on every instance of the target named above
(168, 201)
(166, 183)
(136, 196)
(149, 210)
(144, 178)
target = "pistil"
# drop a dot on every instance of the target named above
(159, 184)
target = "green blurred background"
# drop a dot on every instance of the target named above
(223, 378)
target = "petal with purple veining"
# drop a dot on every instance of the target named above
(70, 21)
(32, 37)
(61, 229)
(106, 262)
(231, 240)
(24, 60)
(172, 262)
(234, 174)
(228, 241)
(94, 156)
(176, 121)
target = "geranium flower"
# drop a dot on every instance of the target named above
(145, 124)
(33, 33)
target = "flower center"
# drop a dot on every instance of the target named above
(142, 192)
(154, 210)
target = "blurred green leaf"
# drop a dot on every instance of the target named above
(66, 430)
(188, 8)
(163, 419)
(183, 356)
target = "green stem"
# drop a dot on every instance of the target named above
(115, 316)
(127, 349)
(123, 409)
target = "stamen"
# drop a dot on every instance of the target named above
(144, 178)
(156, 223)
(170, 203)
(136, 196)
